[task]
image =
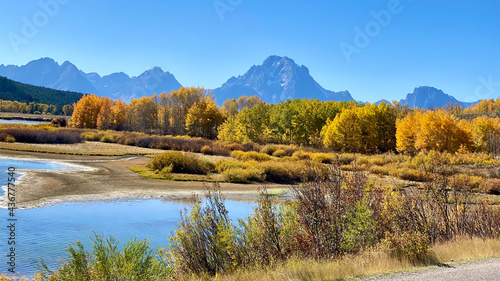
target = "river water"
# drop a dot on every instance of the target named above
(5, 121)
(45, 232)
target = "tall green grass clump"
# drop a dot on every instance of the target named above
(136, 262)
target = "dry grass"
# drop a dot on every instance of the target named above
(348, 267)
(367, 264)
(467, 249)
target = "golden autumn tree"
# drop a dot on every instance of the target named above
(486, 134)
(86, 112)
(368, 118)
(233, 131)
(119, 112)
(465, 136)
(230, 107)
(484, 106)
(433, 130)
(344, 132)
(181, 102)
(406, 133)
(362, 128)
(143, 114)
(203, 118)
(440, 131)
(386, 126)
(105, 116)
(165, 113)
(250, 125)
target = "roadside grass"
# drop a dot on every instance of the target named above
(304, 270)
(367, 264)
(464, 249)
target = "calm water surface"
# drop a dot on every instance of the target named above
(4, 121)
(45, 232)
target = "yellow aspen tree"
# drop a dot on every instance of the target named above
(203, 118)
(440, 131)
(368, 118)
(230, 107)
(164, 113)
(406, 133)
(86, 111)
(119, 113)
(105, 116)
(485, 131)
(465, 136)
(143, 113)
(344, 133)
(182, 100)
(232, 130)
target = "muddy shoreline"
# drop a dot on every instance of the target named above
(106, 178)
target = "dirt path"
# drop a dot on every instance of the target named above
(109, 179)
(477, 271)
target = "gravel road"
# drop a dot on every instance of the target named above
(477, 271)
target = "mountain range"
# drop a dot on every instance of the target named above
(276, 79)
(46, 72)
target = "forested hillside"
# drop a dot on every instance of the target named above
(16, 91)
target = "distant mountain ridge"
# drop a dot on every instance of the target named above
(120, 85)
(429, 98)
(46, 72)
(276, 80)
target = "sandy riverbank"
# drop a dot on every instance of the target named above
(105, 178)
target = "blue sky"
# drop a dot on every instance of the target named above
(451, 45)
